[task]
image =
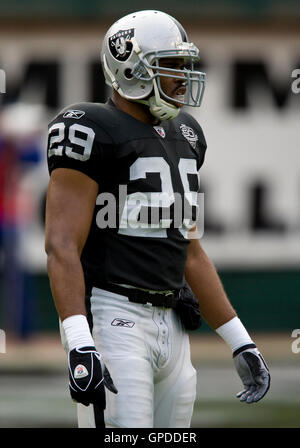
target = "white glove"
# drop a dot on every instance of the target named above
(253, 372)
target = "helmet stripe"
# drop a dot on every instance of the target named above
(184, 36)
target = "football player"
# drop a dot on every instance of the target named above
(118, 259)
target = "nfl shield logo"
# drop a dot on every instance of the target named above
(160, 131)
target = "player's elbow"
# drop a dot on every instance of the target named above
(195, 253)
(60, 249)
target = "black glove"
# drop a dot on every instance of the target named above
(253, 372)
(188, 308)
(88, 376)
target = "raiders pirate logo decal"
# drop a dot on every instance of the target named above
(189, 134)
(120, 45)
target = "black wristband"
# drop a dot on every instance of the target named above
(241, 349)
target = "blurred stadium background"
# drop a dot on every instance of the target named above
(49, 52)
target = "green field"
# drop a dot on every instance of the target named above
(34, 393)
(226, 414)
(42, 401)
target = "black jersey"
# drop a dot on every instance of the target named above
(141, 170)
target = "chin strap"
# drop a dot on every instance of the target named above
(160, 108)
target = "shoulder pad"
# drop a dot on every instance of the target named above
(100, 117)
(186, 121)
(190, 129)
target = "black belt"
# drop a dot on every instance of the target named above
(167, 300)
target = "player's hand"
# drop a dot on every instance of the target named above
(88, 376)
(254, 374)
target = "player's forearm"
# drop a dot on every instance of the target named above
(66, 281)
(204, 280)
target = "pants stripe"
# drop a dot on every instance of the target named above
(98, 412)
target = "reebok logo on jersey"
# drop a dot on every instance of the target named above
(73, 113)
(189, 134)
(80, 371)
(160, 131)
(122, 323)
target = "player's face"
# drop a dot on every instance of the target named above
(174, 88)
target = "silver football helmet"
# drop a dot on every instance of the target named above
(131, 53)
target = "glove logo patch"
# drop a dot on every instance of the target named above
(80, 371)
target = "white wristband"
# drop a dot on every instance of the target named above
(234, 334)
(77, 331)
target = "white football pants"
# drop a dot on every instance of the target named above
(147, 353)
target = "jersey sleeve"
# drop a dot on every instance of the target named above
(202, 147)
(201, 144)
(200, 141)
(75, 142)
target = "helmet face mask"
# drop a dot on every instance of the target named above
(133, 51)
(192, 79)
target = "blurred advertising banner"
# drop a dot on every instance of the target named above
(250, 117)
